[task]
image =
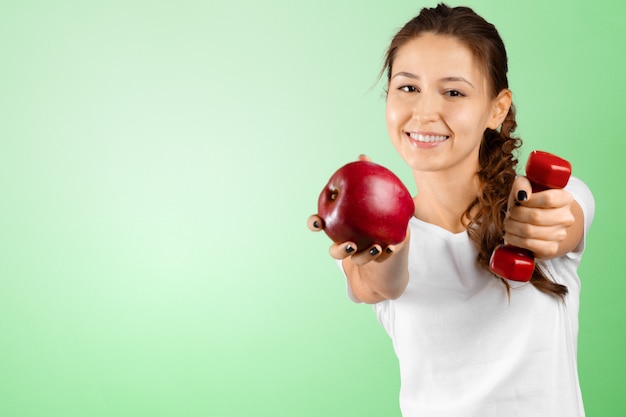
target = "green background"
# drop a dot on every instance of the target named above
(158, 162)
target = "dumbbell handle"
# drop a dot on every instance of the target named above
(544, 171)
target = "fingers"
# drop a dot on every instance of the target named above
(364, 157)
(375, 253)
(548, 199)
(342, 250)
(315, 223)
(522, 195)
(539, 222)
(541, 216)
(349, 249)
(346, 249)
(542, 241)
(520, 191)
(363, 257)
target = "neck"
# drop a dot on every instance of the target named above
(443, 198)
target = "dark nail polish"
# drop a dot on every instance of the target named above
(349, 249)
(521, 195)
(374, 251)
(388, 250)
(316, 224)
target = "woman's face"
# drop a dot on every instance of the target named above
(439, 105)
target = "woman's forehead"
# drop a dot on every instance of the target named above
(435, 52)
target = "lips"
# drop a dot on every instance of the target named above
(427, 137)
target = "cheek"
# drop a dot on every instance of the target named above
(467, 119)
(394, 115)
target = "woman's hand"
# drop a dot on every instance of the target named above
(549, 223)
(344, 250)
(376, 273)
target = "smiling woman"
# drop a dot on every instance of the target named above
(438, 98)
(450, 117)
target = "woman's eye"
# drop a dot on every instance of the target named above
(408, 88)
(454, 93)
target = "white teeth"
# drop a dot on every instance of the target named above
(427, 138)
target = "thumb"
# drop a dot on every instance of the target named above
(520, 191)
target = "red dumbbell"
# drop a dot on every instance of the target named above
(544, 171)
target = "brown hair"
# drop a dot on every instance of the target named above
(497, 161)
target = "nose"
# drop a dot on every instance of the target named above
(425, 108)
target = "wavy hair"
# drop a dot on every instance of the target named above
(485, 215)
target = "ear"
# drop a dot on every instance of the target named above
(500, 108)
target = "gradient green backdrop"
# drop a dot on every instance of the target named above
(158, 162)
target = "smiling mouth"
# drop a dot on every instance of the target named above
(427, 138)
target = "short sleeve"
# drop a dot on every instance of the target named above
(583, 196)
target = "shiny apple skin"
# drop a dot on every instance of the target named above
(365, 203)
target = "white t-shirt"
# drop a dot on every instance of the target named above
(467, 350)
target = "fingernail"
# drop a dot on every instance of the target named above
(316, 224)
(388, 250)
(374, 251)
(349, 249)
(521, 195)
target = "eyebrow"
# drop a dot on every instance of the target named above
(461, 79)
(416, 77)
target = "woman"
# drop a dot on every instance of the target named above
(470, 343)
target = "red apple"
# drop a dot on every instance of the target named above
(365, 203)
